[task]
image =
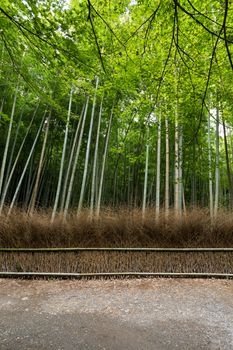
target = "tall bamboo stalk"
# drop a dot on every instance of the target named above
(93, 183)
(71, 159)
(210, 169)
(25, 168)
(81, 197)
(217, 173)
(38, 175)
(157, 197)
(58, 191)
(167, 170)
(3, 166)
(70, 187)
(8, 181)
(181, 192)
(13, 147)
(229, 174)
(145, 183)
(103, 164)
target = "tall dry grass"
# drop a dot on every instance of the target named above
(119, 228)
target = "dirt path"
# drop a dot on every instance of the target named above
(137, 314)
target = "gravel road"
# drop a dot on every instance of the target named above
(158, 314)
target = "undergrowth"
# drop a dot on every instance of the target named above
(117, 228)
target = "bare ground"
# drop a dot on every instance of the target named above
(134, 314)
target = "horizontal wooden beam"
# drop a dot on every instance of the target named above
(113, 274)
(53, 250)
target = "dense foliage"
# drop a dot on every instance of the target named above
(116, 103)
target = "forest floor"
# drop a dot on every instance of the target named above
(161, 314)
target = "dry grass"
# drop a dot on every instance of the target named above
(122, 228)
(95, 262)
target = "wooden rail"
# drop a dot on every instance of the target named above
(60, 275)
(53, 250)
(114, 274)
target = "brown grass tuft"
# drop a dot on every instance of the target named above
(119, 228)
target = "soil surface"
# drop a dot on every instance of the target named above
(125, 314)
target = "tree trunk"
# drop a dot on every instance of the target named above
(145, 183)
(25, 168)
(217, 177)
(176, 177)
(62, 159)
(38, 175)
(2, 105)
(2, 173)
(210, 169)
(6, 187)
(13, 147)
(157, 203)
(70, 188)
(93, 183)
(181, 194)
(81, 197)
(167, 170)
(64, 192)
(229, 175)
(103, 164)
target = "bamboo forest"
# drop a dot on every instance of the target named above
(116, 104)
(116, 174)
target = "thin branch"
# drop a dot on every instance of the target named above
(141, 25)
(23, 28)
(148, 28)
(208, 80)
(109, 27)
(13, 20)
(176, 40)
(199, 22)
(106, 23)
(166, 62)
(205, 16)
(94, 33)
(15, 65)
(164, 69)
(225, 34)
